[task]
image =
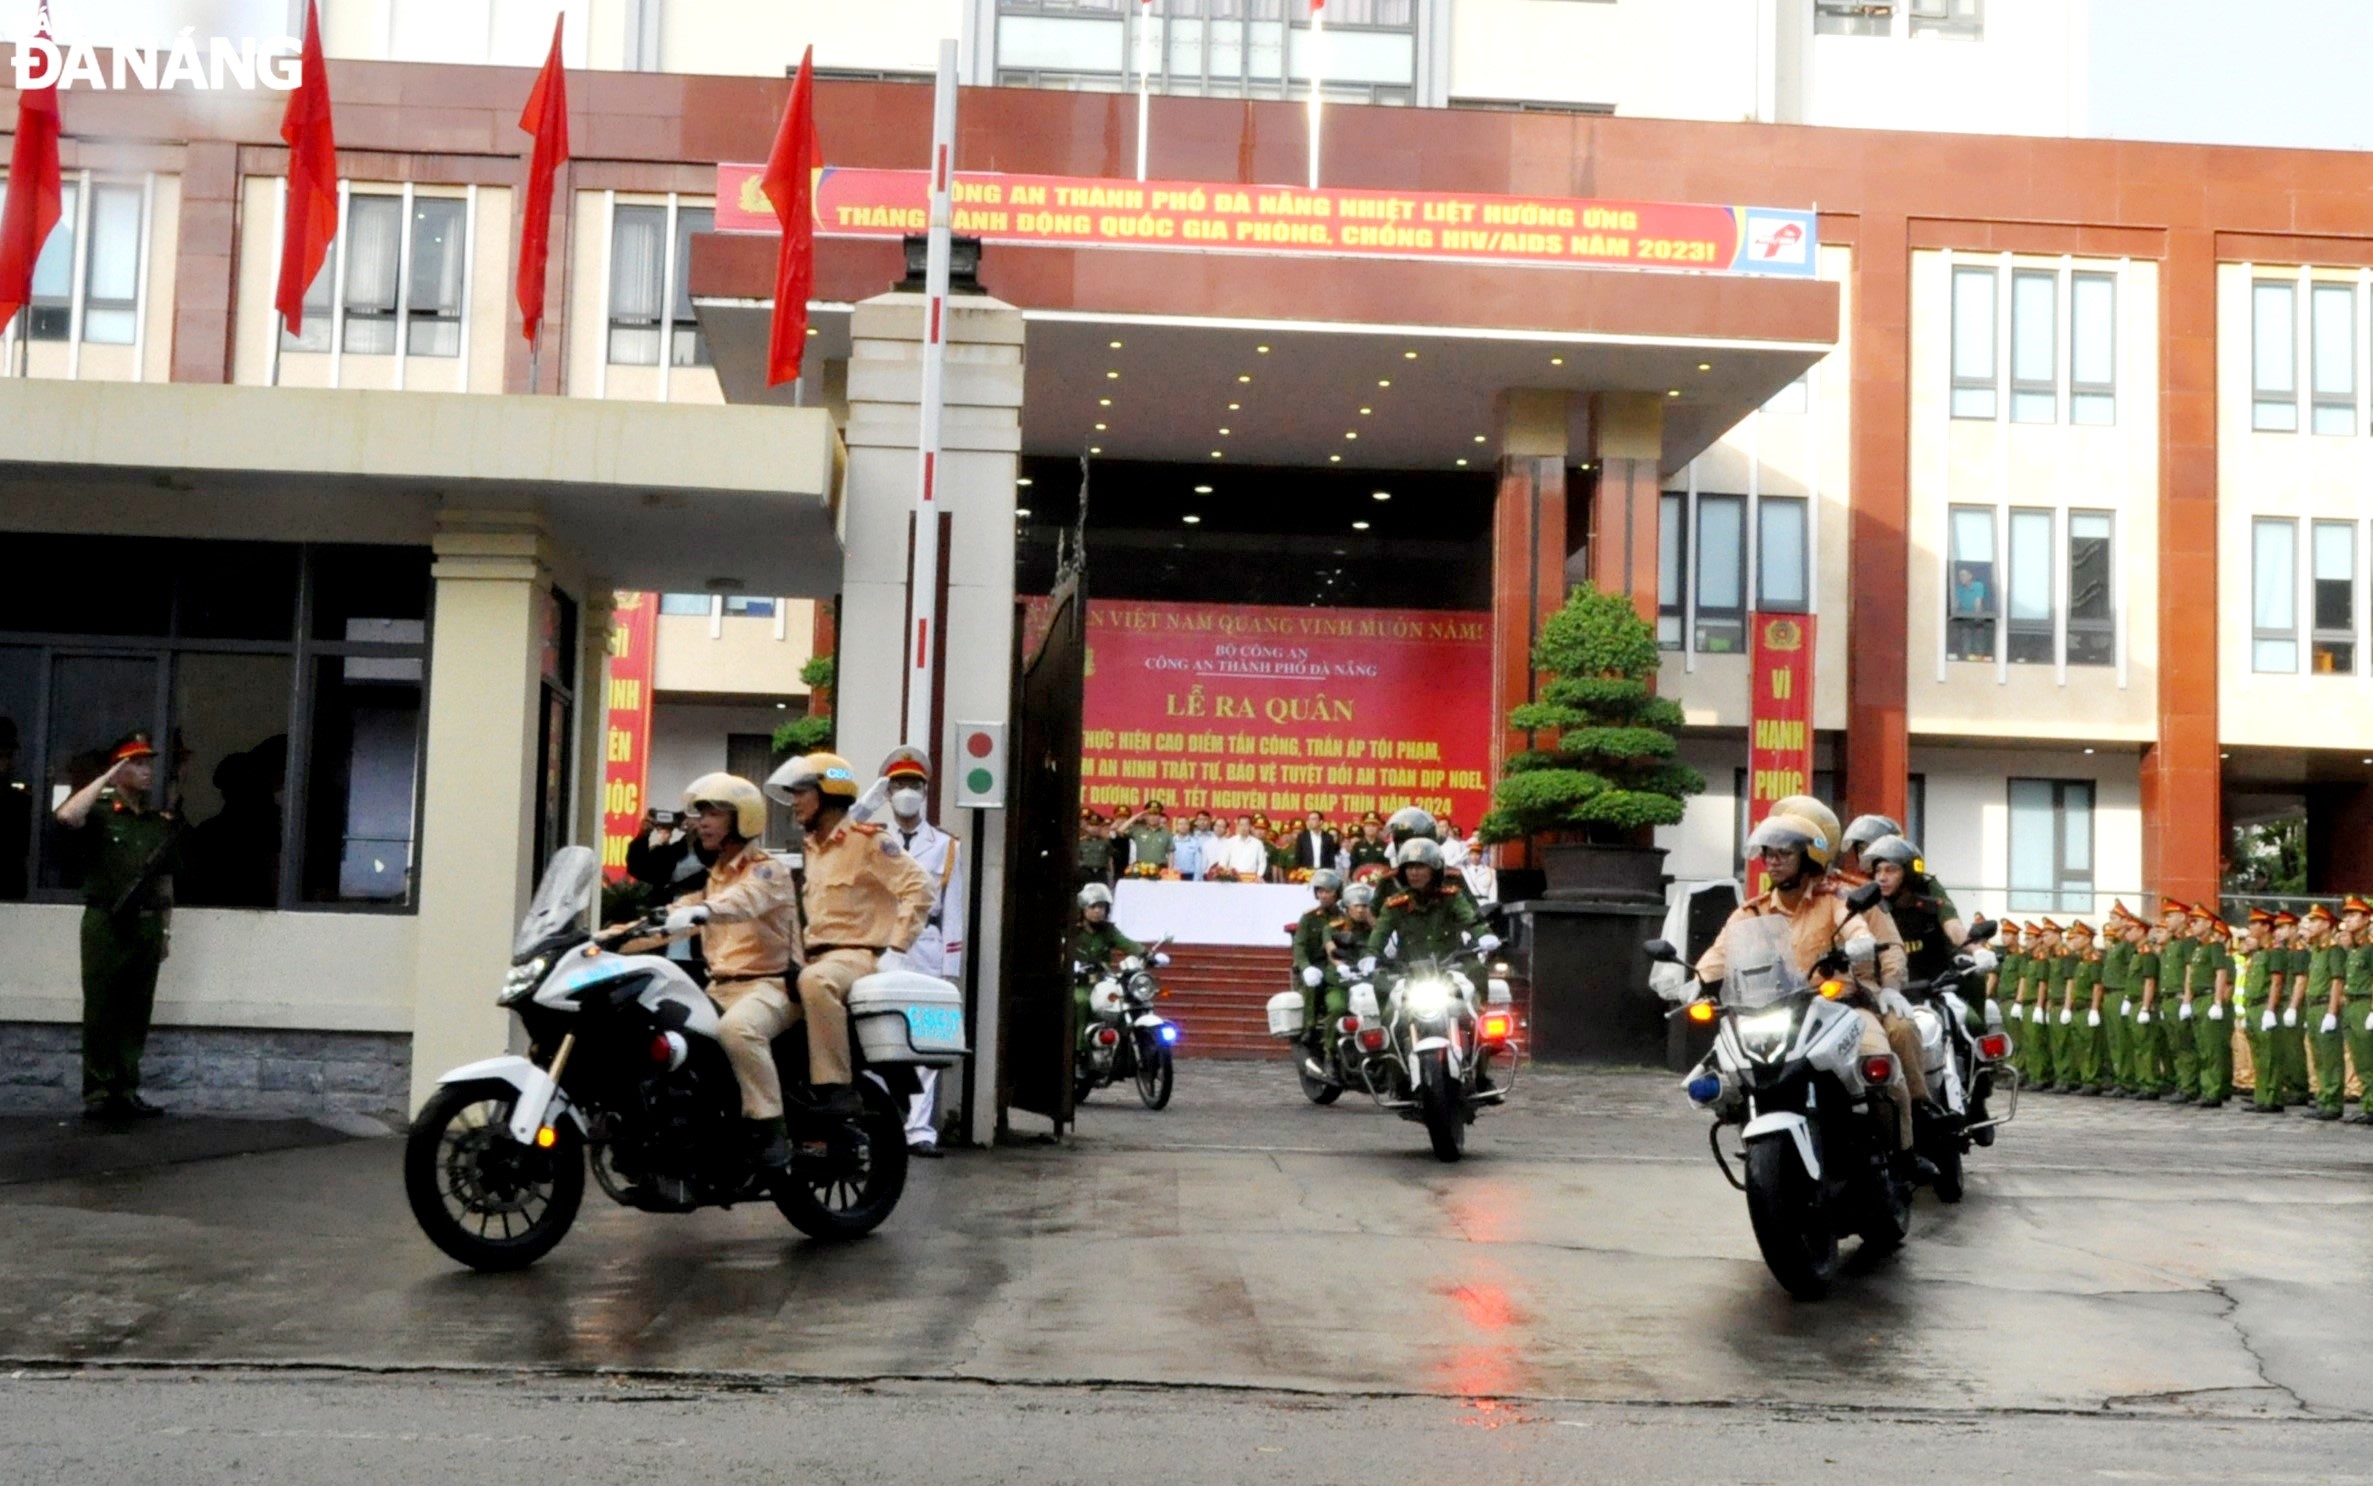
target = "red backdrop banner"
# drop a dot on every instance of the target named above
(1780, 716)
(1245, 710)
(626, 738)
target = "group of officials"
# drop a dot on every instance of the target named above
(1251, 848)
(2175, 1009)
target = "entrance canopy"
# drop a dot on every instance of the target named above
(652, 496)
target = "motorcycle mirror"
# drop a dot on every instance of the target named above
(1982, 930)
(1862, 898)
(1662, 952)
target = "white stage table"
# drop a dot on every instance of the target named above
(1242, 913)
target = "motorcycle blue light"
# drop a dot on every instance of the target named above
(1705, 1089)
(1169, 1034)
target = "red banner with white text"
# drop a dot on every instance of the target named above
(1779, 715)
(626, 733)
(1248, 710)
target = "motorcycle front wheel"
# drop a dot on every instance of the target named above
(481, 1196)
(1798, 1244)
(1153, 1074)
(1443, 1104)
(852, 1191)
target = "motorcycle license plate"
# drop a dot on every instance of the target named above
(942, 1025)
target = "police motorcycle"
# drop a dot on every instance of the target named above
(1125, 1037)
(1813, 1117)
(624, 1075)
(1427, 1049)
(1965, 1068)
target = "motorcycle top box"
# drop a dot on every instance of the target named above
(904, 1016)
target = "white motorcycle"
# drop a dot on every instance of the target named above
(624, 1074)
(1427, 1051)
(1125, 1037)
(1966, 1070)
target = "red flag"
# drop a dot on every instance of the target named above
(312, 178)
(35, 199)
(790, 183)
(547, 118)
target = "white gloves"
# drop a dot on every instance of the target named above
(2331, 1023)
(2018, 1011)
(1367, 964)
(2290, 1016)
(691, 917)
(1982, 960)
(2216, 1011)
(2067, 1015)
(2142, 1018)
(2184, 1013)
(1488, 943)
(1311, 976)
(1892, 1003)
(2125, 1006)
(1161, 961)
(2266, 1022)
(890, 962)
(2093, 1018)
(2369, 1021)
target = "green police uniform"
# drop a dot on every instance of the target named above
(2265, 992)
(2329, 1047)
(1366, 853)
(2356, 976)
(2050, 981)
(2007, 973)
(2292, 1039)
(2084, 1052)
(2117, 1027)
(2150, 1044)
(2175, 1029)
(1095, 860)
(1428, 925)
(1314, 937)
(2212, 1027)
(1097, 944)
(1150, 843)
(126, 922)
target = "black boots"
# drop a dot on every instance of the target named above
(770, 1145)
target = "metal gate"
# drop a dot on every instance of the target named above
(1042, 846)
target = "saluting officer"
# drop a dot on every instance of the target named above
(127, 893)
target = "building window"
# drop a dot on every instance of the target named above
(1973, 343)
(50, 317)
(2051, 845)
(1854, 18)
(686, 603)
(2334, 651)
(2092, 349)
(1972, 601)
(749, 608)
(1672, 545)
(417, 272)
(1796, 397)
(111, 268)
(2274, 588)
(2332, 358)
(2092, 618)
(1721, 574)
(1781, 536)
(2030, 607)
(1963, 20)
(2034, 335)
(2274, 357)
(289, 681)
(639, 261)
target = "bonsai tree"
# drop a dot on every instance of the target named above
(814, 731)
(1610, 773)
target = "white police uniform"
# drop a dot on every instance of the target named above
(939, 949)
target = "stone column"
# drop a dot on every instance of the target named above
(478, 788)
(981, 436)
(1627, 430)
(1528, 551)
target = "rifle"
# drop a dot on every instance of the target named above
(129, 898)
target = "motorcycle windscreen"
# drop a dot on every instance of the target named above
(560, 898)
(1760, 962)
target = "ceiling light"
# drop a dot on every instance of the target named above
(1216, 454)
(1478, 438)
(1116, 345)
(1675, 392)
(1102, 426)
(2088, 750)
(1384, 381)
(1223, 433)
(1462, 464)
(1364, 412)
(1095, 449)
(1244, 376)
(1381, 495)
(1264, 350)
(782, 706)
(811, 330)
(1191, 520)
(1359, 526)
(1024, 482)
(1112, 376)
(1334, 459)
(1557, 361)
(1202, 490)
(1235, 407)
(2224, 755)
(1585, 464)
(1408, 355)
(1104, 402)
(1351, 433)
(1022, 511)
(1705, 366)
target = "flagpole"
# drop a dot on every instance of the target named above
(1318, 32)
(1145, 19)
(922, 583)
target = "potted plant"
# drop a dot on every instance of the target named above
(1601, 774)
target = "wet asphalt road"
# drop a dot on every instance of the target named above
(2122, 1280)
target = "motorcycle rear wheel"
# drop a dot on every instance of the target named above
(1946, 1158)
(479, 1195)
(1153, 1075)
(1316, 1090)
(1443, 1104)
(852, 1200)
(1799, 1246)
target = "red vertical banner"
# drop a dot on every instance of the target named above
(1779, 718)
(626, 732)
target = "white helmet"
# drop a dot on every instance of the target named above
(1419, 851)
(1093, 894)
(735, 793)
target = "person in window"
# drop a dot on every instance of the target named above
(132, 850)
(16, 817)
(234, 857)
(1969, 595)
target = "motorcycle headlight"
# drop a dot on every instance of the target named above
(1141, 985)
(1427, 998)
(1764, 1034)
(523, 979)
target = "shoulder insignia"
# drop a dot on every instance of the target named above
(863, 828)
(765, 874)
(1397, 900)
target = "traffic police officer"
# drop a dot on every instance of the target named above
(127, 892)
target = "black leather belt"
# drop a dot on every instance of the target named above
(755, 975)
(870, 949)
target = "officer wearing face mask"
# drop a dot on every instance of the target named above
(939, 949)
